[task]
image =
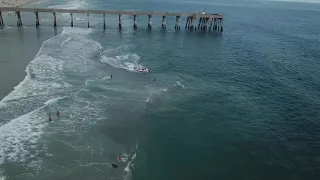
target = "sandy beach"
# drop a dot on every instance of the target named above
(18, 3)
(15, 3)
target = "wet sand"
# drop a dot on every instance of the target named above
(17, 48)
(19, 3)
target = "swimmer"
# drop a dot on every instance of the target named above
(58, 113)
(111, 76)
(154, 80)
(114, 165)
(49, 117)
(119, 158)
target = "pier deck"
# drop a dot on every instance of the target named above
(204, 18)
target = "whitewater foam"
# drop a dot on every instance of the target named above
(24, 108)
(1, 176)
(76, 31)
(153, 93)
(54, 100)
(179, 84)
(18, 138)
(149, 98)
(42, 75)
(130, 164)
(87, 81)
(74, 4)
(69, 38)
(129, 62)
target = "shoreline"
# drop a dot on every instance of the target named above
(17, 3)
(16, 67)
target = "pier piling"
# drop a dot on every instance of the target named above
(203, 24)
(37, 19)
(135, 21)
(71, 19)
(191, 27)
(221, 29)
(88, 20)
(120, 26)
(54, 19)
(217, 25)
(210, 28)
(187, 23)
(104, 22)
(149, 21)
(164, 25)
(206, 25)
(1, 20)
(177, 26)
(19, 22)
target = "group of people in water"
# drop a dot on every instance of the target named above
(119, 159)
(57, 113)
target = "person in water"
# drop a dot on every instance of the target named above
(154, 80)
(49, 117)
(58, 113)
(111, 76)
(119, 158)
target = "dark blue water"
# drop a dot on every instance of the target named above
(239, 105)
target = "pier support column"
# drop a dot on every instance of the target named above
(191, 27)
(71, 19)
(190, 22)
(134, 21)
(177, 26)
(37, 19)
(19, 22)
(205, 24)
(221, 25)
(1, 20)
(88, 20)
(188, 19)
(164, 25)
(54, 19)
(149, 21)
(210, 28)
(199, 23)
(217, 25)
(120, 25)
(104, 22)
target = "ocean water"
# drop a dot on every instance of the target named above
(239, 105)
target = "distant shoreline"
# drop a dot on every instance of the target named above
(16, 3)
(297, 1)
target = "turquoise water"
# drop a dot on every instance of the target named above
(241, 105)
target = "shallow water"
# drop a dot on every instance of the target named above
(241, 105)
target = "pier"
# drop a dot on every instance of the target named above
(206, 21)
